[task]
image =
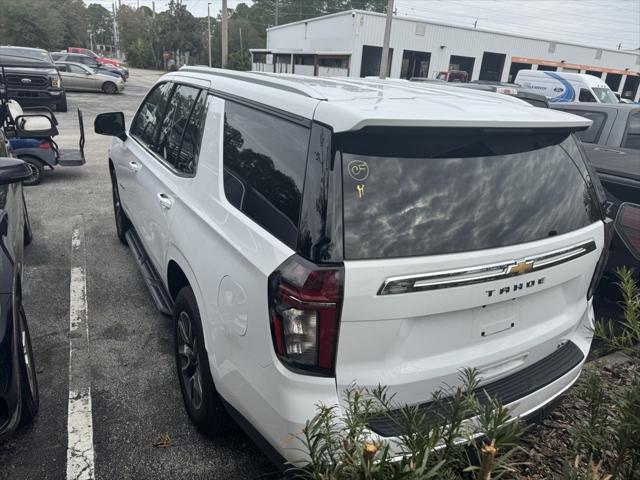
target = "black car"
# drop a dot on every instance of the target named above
(90, 62)
(18, 383)
(29, 76)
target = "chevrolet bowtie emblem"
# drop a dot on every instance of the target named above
(520, 267)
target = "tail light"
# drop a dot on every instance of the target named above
(44, 145)
(507, 91)
(604, 256)
(305, 302)
(628, 227)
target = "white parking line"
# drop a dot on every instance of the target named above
(80, 455)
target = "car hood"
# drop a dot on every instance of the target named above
(105, 76)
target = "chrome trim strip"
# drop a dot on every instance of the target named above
(483, 273)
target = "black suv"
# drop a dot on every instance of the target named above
(31, 78)
(18, 384)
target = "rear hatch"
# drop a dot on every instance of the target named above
(462, 248)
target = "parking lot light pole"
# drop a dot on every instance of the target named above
(209, 30)
(384, 61)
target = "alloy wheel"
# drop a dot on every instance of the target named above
(190, 370)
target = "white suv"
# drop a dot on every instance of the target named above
(308, 233)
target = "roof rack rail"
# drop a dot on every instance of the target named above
(256, 78)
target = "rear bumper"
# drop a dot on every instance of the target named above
(508, 390)
(278, 402)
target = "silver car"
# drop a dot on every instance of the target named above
(76, 76)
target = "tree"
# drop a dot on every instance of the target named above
(100, 24)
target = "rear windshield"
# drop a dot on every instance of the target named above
(434, 192)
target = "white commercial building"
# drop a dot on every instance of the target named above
(350, 44)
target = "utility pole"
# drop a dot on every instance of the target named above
(225, 34)
(241, 47)
(276, 12)
(209, 31)
(384, 61)
(153, 8)
(115, 30)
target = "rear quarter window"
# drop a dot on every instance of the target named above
(632, 137)
(264, 164)
(441, 192)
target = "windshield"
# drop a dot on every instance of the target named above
(439, 191)
(605, 95)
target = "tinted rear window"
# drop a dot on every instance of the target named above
(438, 192)
(264, 163)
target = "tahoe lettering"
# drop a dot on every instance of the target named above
(515, 287)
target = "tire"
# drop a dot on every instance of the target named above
(28, 379)
(37, 170)
(62, 105)
(28, 233)
(122, 222)
(201, 400)
(110, 88)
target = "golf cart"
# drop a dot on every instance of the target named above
(30, 137)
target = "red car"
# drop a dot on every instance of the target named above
(86, 51)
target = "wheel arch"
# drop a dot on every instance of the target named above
(179, 274)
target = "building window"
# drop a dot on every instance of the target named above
(371, 56)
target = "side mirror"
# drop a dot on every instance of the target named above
(112, 124)
(35, 126)
(13, 170)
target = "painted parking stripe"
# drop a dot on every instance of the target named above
(80, 454)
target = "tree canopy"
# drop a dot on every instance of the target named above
(144, 35)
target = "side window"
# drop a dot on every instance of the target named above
(76, 69)
(61, 67)
(192, 136)
(173, 125)
(591, 134)
(586, 96)
(632, 137)
(145, 123)
(264, 165)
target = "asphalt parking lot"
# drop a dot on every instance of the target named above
(140, 428)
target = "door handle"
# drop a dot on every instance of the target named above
(165, 201)
(134, 167)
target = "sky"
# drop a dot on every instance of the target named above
(601, 23)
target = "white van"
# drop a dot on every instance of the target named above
(566, 87)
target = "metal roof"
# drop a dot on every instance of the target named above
(350, 104)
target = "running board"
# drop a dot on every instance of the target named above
(160, 296)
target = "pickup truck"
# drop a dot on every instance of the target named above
(29, 76)
(612, 145)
